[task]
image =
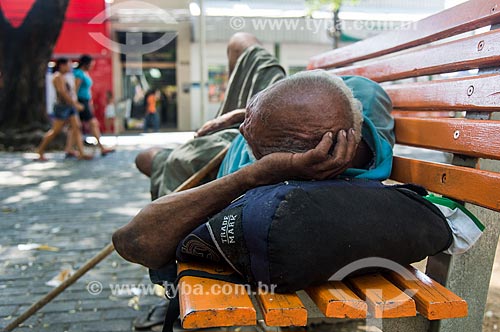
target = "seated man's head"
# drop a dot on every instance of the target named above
(293, 114)
(238, 43)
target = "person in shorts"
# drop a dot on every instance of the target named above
(65, 110)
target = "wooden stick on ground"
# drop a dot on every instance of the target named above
(193, 181)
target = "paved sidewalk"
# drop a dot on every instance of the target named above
(74, 206)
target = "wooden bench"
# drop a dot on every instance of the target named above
(469, 98)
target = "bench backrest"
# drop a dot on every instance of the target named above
(402, 61)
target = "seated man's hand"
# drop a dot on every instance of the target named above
(315, 164)
(221, 122)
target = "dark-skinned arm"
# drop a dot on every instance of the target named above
(78, 82)
(224, 121)
(151, 238)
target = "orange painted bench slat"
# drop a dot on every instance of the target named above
(464, 184)
(452, 56)
(432, 299)
(383, 298)
(462, 94)
(336, 300)
(208, 303)
(462, 18)
(381, 295)
(476, 138)
(282, 309)
(202, 307)
(205, 267)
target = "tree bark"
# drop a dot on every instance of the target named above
(337, 28)
(5, 30)
(24, 54)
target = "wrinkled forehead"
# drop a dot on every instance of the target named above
(254, 103)
(254, 111)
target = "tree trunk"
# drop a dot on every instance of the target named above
(337, 28)
(24, 54)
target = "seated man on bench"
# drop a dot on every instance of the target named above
(251, 69)
(307, 126)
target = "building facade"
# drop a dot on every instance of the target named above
(170, 47)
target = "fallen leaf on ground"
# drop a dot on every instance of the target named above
(36, 246)
(60, 277)
(134, 303)
(159, 291)
(8, 209)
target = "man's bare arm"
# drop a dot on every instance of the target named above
(151, 238)
(222, 122)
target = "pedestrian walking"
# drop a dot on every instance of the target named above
(65, 110)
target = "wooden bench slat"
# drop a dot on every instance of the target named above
(448, 57)
(383, 298)
(462, 183)
(336, 300)
(476, 138)
(282, 309)
(201, 307)
(462, 94)
(422, 114)
(205, 267)
(433, 300)
(231, 305)
(462, 18)
(209, 303)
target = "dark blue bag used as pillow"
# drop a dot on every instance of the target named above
(299, 233)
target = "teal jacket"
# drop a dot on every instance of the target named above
(377, 131)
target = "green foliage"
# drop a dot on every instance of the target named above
(332, 5)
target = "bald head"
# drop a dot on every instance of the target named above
(238, 43)
(293, 114)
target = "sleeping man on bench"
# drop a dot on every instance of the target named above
(307, 126)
